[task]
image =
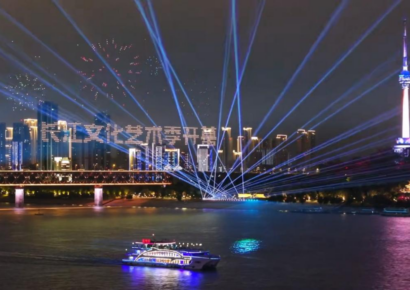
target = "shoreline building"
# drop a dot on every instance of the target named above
(402, 146)
(282, 155)
(134, 159)
(255, 156)
(20, 152)
(9, 141)
(186, 162)
(171, 159)
(227, 149)
(2, 145)
(100, 150)
(47, 114)
(247, 139)
(202, 157)
(33, 132)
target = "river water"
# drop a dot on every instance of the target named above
(261, 248)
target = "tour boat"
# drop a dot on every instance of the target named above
(170, 254)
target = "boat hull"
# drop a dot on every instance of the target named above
(198, 264)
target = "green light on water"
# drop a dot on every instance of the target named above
(246, 246)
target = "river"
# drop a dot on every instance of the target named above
(261, 248)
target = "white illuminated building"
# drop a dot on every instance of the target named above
(202, 157)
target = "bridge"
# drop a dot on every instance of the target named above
(98, 179)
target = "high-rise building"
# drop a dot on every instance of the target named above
(227, 148)
(21, 146)
(240, 145)
(282, 155)
(157, 156)
(135, 161)
(302, 141)
(171, 159)
(254, 154)
(16, 155)
(247, 139)
(79, 152)
(9, 141)
(20, 152)
(33, 132)
(145, 156)
(311, 134)
(47, 114)
(403, 144)
(306, 141)
(186, 161)
(100, 151)
(202, 157)
(2, 145)
(63, 148)
(266, 154)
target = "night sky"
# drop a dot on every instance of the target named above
(193, 34)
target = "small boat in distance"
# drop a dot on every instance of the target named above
(170, 254)
(314, 210)
(399, 212)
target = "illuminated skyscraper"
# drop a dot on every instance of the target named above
(311, 134)
(100, 151)
(79, 152)
(134, 159)
(33, 131)
(302, 142)
(256, 155)
(247, 138)
(240, 145)
(171, 159)
(306, 141)
(186, 162)
(227, 148)
(47, 113)
(157, 156)
(20, 152)
(63, 148)
(281, 156)
(202, 157)
(9, 141)
(2, 145)
(145, 156)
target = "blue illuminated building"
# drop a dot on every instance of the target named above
(3, 162)
(47, 114)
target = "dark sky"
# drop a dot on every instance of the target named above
(193, 34)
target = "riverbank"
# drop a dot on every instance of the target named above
(194, 204)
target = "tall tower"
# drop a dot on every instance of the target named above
(404, 80)
(402, 146)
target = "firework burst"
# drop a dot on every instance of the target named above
(27, 91)
(122, 59)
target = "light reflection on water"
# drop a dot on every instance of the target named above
(260, 249)
(159, 277)
(245, 246)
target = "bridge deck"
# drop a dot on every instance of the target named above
(83, 178)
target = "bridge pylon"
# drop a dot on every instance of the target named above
(19, 197)
(98, 195)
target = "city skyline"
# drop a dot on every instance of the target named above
(201, 83)
(252, 133)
